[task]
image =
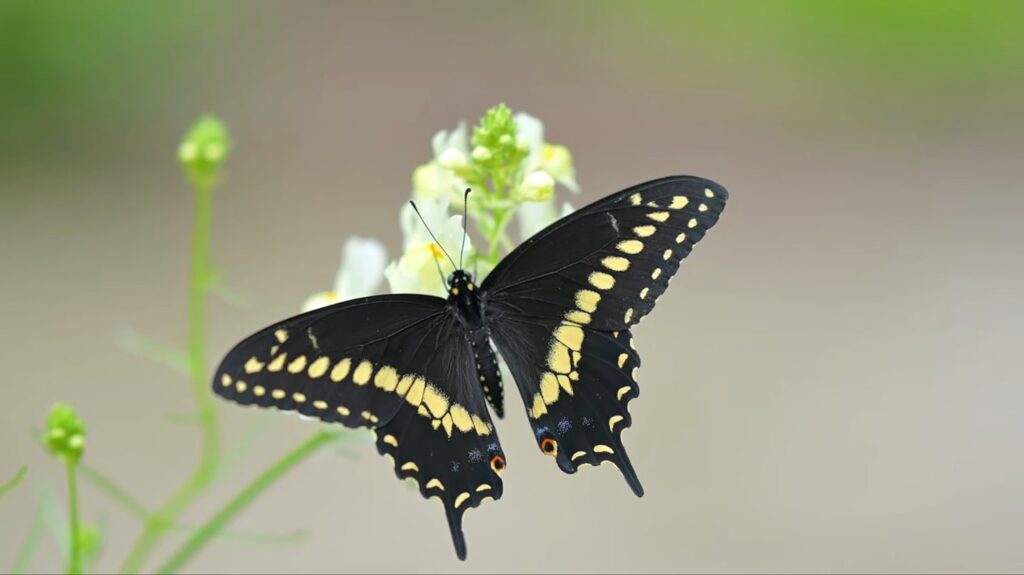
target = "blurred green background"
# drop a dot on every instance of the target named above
(833, 383)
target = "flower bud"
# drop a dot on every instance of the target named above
(453, 159)
(537, 187)
(204, 150)
(65, 433)
(481, 154)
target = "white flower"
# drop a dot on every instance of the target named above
(416, 271)
(535, 216)
(537, 187)
(359, 275)
(432, 181)
(555, 160)
(454, 140)
(453, 159)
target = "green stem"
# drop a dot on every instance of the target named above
(211, 528)
(14, 481)
(75, 560)
(199, 284)
(31, 543)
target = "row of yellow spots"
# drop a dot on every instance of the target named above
(436, 483)
(428, 400)
(564, 355)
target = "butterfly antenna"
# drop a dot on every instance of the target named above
(465, 214)
(437, 243)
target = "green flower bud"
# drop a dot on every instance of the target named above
(539, 186)
(204, 150)
(481, 154)
(65, 433)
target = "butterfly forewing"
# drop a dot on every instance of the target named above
(560, 306)
(399, 365)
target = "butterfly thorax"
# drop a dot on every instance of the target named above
(463, 296)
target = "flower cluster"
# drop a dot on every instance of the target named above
(512, 172)
(203, 150)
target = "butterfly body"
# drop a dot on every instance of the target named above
(420, 371)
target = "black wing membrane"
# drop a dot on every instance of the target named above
(561, 305)
(398, 365)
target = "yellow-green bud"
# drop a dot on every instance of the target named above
(65, 433)
(453, 159)
(203, 150)
(537, 187)
(481, 154)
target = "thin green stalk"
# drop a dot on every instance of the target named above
(14, 481)
(211, 528)
(28, 547)
(199, 283)
(75, 560)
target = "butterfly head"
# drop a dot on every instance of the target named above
(459, 282)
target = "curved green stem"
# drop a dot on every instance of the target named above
(75, 560)
(211, 528)
(199, 284)
(14, 481)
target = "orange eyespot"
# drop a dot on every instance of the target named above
(548, 445)
(498, 464)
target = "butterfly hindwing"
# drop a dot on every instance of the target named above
(401, 366)
(560, 307)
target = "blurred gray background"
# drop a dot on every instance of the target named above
(832, 383)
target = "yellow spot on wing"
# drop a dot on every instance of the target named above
(435, 401)
(702, 208)
(277, 363)
(363, 372)
(298, 364)
(658, 216)
(643, 293)
(681, 238)
(709, 193)
(461, 499)
(564, 383)
(656, 273)
(482, 487)
(613, 420)
(629, 315)
(587, 300)
(558, 358)
(539, 408)
(692, 223)
(320, 404)
(225, 380)
(601, 280)
(240, 386)
(577, 316)
(446, 421)
(281, 335)
(635, 199)
(480, 426)
(343, 411)
(633, 373)
(387, 378)
(570, 335)
(341, 369)
(299, 397)
(549, 387)
(622, 359)
(603, 449)
(630, 246)
(623, 391)
(278, 394)
(615, 263)
(254, 365)
(390, 440)
(319, 367)
(679, 202)
(259, 390)
(578, 455)
(435, 483)
(461, 418)
(665, 256)
(404, 384)
(644, 231)
(410, 466)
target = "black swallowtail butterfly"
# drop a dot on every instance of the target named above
(419, 370)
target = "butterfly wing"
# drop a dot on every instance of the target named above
(398, 365)
(560, 307)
